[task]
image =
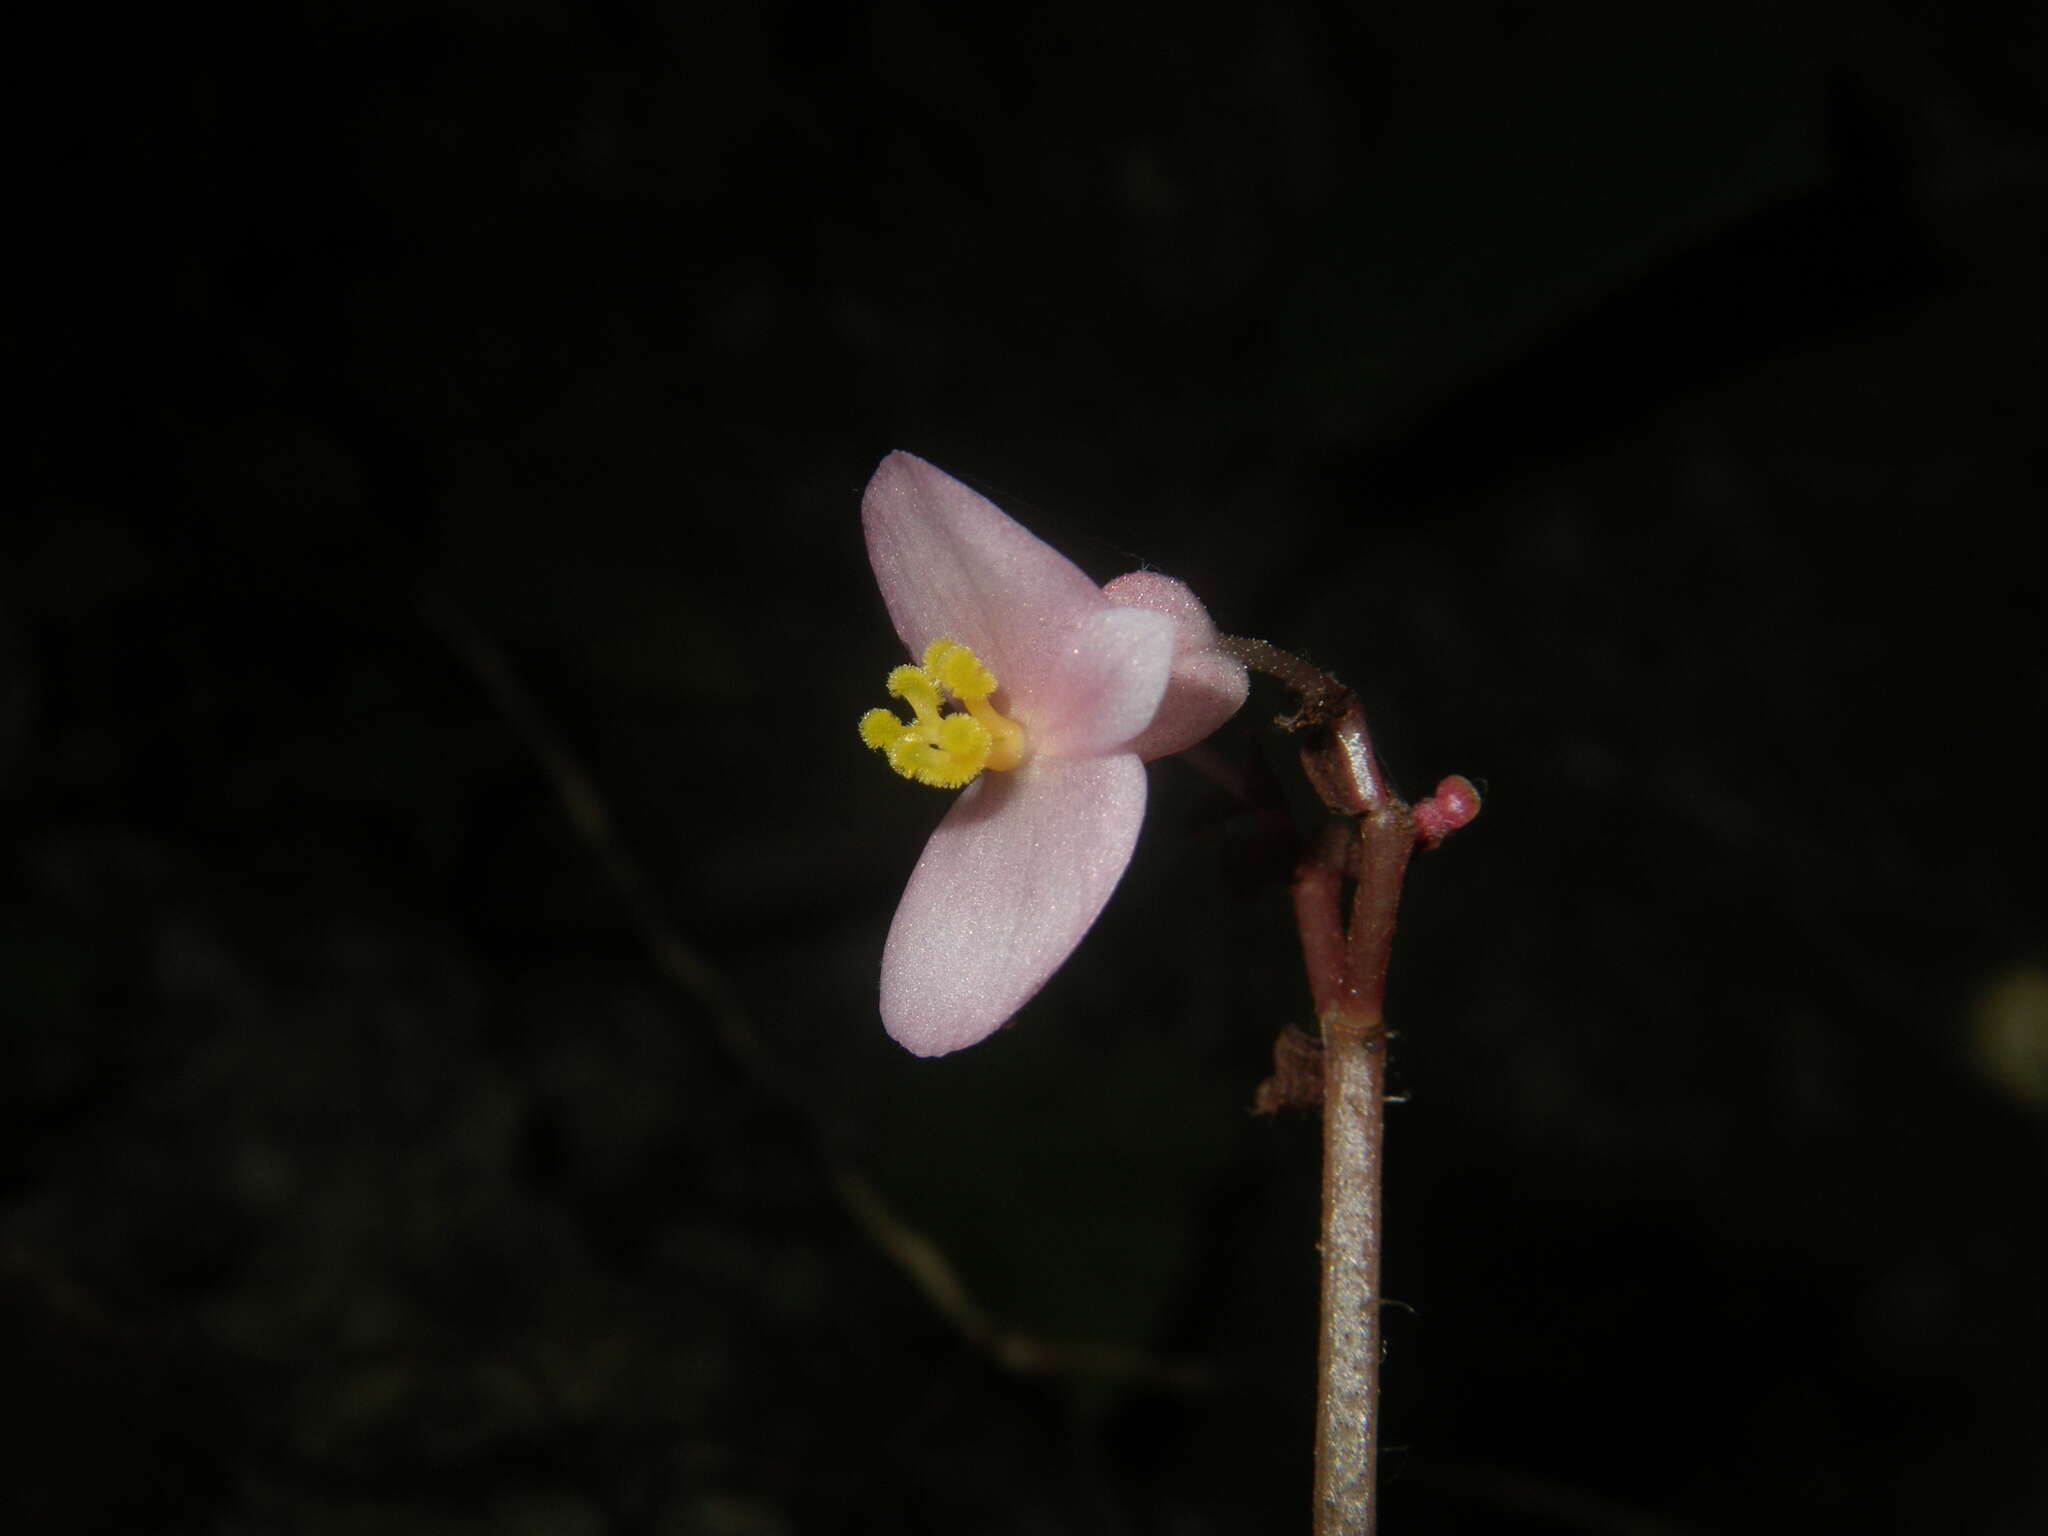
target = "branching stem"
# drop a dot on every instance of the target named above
(1366, 844)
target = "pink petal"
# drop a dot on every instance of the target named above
(1113, 671)
(951, 564)
(1207, 687)
(1010, 881)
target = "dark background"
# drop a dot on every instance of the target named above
(1641, 404)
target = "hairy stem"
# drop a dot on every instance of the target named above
(1354, 1117)
(1347, 1414)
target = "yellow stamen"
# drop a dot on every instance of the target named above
(946, 751)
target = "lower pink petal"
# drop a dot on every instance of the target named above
(1010, 881)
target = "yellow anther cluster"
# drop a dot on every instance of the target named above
(943, 750)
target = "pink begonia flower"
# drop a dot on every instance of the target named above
(1065, 690)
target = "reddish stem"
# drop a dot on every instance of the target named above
(1368, 841)
(1319, 914)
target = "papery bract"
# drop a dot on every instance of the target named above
(1098, 679)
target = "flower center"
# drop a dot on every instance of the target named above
(945, 751)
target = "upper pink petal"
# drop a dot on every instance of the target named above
(951, 564)
(1207, 686)
(1010, 881)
